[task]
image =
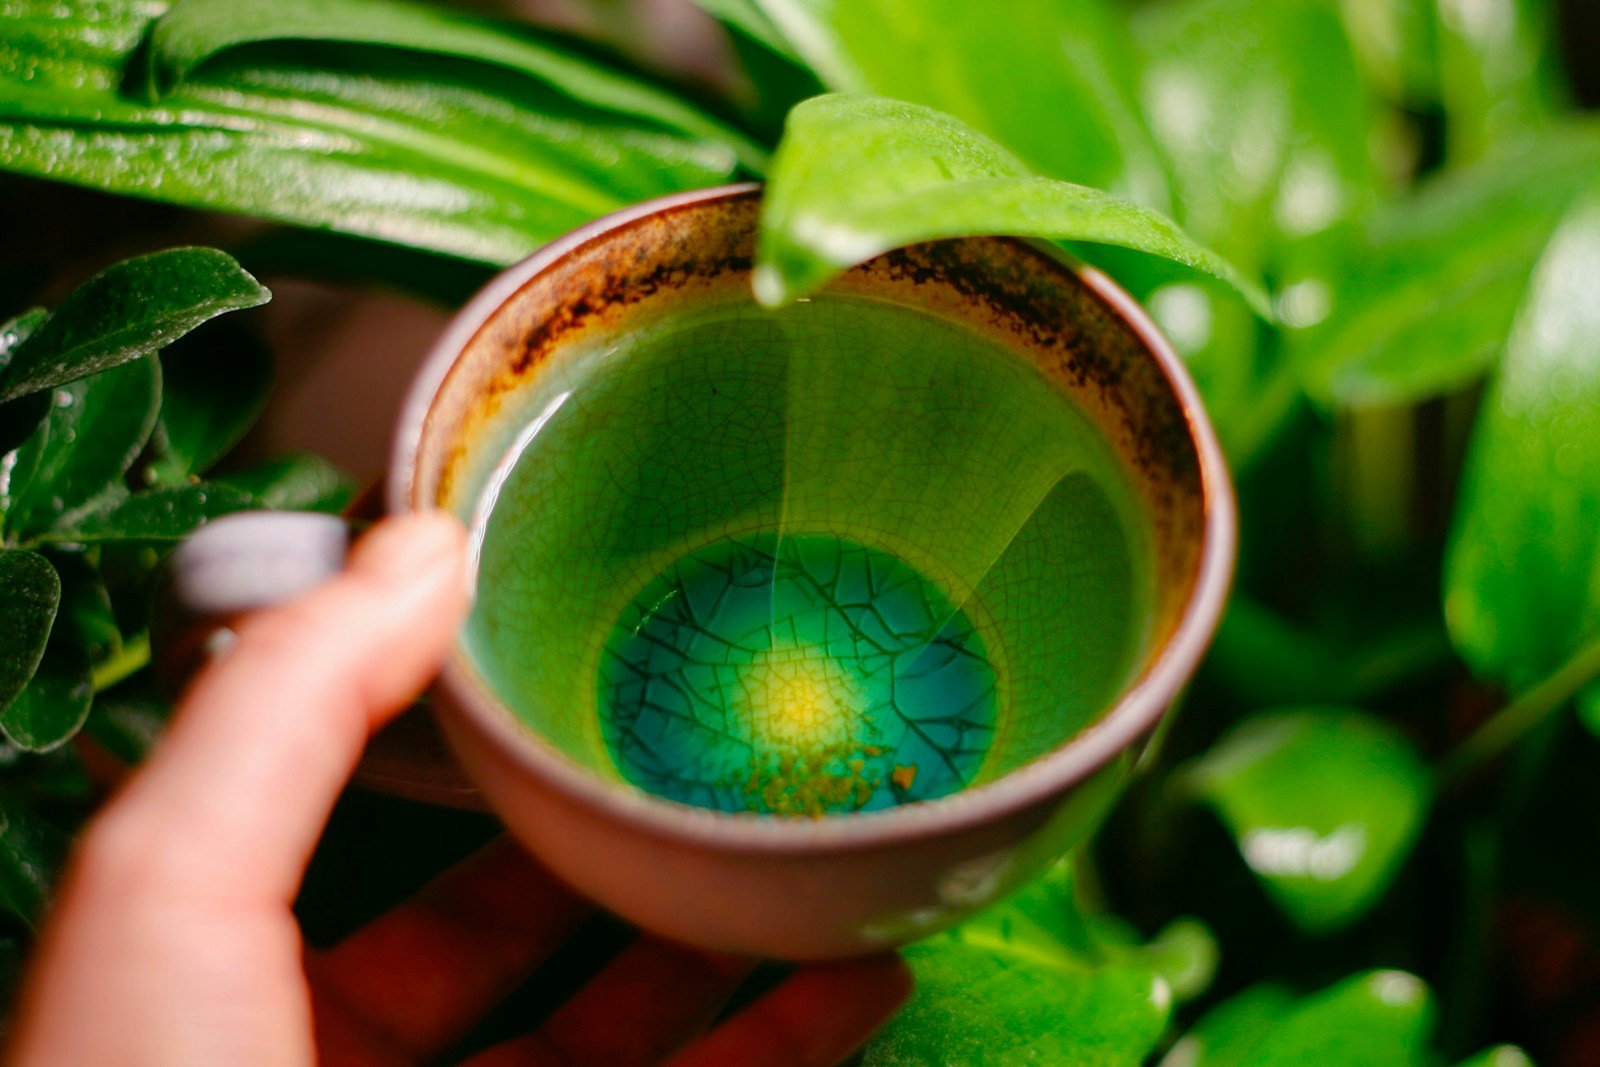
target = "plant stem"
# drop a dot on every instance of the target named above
(1521, 716)
(131, 657)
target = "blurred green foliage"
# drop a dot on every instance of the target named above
(1379, 744)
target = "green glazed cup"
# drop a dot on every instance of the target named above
(843, 883)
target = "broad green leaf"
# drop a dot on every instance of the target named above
(469, 159)
(748, 18)
(129, 310)
(1433, 292)
(53, 707)
(859, 175)
(1324, 804)
(95, 429)
(1380, 1017)
(1522, 575)
(1037, 980)
(194, 31)
(31, 854)
(214, 387)
(157, 515)
(300, 482)
(1052, 80)
(30, 593)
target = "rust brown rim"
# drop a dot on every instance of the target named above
(1134, 714)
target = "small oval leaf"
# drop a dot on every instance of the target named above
(1324, 804)
(129, 310)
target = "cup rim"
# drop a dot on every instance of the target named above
(1138, 709)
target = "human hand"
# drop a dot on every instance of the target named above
(172, 943)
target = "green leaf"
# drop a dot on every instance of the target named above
(128, 721)
(31, 855)
(1522, 575)
(1379, 1017)
(1052, 80)
(1433, 291)
(86, 609)
(20, 417)
(157, 515)
(1499, 1056)
(466, 158)
(1499, 74)
(859, 175)
(129, 310)
(195, 31)
(1036, 980)
(96, 428)
(214, 387)
(52, 708)
(1263, 116)
(1324, 804)
(299, 482)
(30, 593)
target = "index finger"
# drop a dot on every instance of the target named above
(235, 796)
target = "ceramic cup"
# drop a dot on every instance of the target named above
(794, 887)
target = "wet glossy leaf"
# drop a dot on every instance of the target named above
(1378, 1017)
(1037, 980)
(53, 707)
(157, 515)
(214, 387)
(95, 429)
(30, 593)
(471, 159)
(195, 31)
(129, 310)
(1522, 580)
(1052, 80)
(858, 175)
(301, 482)
(1431, 300)
(1324, 804)
(31, 854)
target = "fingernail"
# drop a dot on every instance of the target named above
(411, 547)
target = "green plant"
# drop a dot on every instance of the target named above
(1407, 390)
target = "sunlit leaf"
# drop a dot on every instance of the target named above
(1052, 80)
(472, 159)
(195, 31)
(1380, 1017)
(129, 310)
(859, 175)
(1522, 578)
(1434, 289)
(1324, 804)
(1499, 76)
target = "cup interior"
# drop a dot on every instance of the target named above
(886, 545)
